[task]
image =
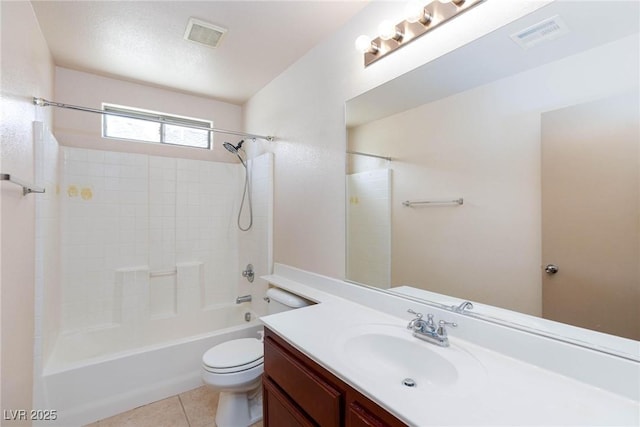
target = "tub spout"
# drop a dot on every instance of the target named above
(243, 298)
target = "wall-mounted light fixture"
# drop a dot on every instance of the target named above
(420, 18)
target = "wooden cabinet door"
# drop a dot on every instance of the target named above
(278, 410)
(310, 390)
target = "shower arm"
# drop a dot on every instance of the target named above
(41, 102)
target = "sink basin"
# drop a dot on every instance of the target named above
(390, 354)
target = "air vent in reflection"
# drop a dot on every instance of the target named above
(549, 29)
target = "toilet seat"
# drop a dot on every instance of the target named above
(234, 369)
(234, 356)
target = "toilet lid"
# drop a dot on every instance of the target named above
(237, 369)
(234, 353)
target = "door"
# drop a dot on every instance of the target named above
(590, 216)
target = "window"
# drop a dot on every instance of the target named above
(166, 129)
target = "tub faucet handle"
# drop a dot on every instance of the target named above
(261, 334)
(248, 273)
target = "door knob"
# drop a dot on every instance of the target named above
(551, 269)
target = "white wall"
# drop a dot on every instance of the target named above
(488, 153)
(80, 129)
(27, 71)
(304, 108)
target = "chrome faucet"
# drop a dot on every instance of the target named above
(427, 330)
(243, 298)
(462, 307)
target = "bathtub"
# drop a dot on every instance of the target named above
(83, 384)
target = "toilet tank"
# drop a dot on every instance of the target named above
(280, 300)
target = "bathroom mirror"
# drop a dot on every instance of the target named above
(507, 173)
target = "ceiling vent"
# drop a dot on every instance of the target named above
(204, 33)
(549, 29)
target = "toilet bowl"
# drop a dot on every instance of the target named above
(234, 368)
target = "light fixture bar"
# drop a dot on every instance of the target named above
(436, 13)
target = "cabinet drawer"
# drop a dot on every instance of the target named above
(279, 411)
(362, 412)
(314, 395)
(357, 416)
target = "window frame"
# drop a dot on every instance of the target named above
(161, 119)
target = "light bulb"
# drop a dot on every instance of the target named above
(413, 11)
(364, 45)
(387, 31)
(416, 12)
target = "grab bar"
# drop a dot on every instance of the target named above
(434, 202)
(26, 188)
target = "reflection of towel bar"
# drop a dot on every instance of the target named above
(26, 188)
(160, 273)
(434, 202)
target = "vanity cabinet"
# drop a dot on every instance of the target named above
(299, 392)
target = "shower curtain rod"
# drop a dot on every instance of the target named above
(41, 102)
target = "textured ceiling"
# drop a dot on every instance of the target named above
(143, 41)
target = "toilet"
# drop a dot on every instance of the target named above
(235, 369)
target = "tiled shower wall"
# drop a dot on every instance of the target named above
(255, 245)
(131, 223)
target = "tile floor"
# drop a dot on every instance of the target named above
(194, 408)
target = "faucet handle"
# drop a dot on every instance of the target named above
(418, 315)
(412, 323)
(442, 331)
(444, 323)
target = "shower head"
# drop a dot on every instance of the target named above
(233, 148)
(230, 147)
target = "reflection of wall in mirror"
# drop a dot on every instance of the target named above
(484, 145)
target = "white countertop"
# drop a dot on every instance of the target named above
(511, 392)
